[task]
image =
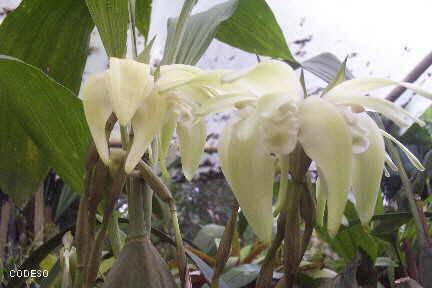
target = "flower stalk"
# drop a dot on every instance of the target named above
(224, 248)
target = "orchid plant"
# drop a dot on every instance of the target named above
(273, 115)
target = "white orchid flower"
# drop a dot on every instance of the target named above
(334, 131)
(150, 106)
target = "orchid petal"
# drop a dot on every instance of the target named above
(146, 123)
(351, 91)
(267, 77)
(362, 86)
(411, 157)
(367, 171)
(326, 139)
(249, 170)
(192, 138)
(176, 74)
(222, 102)
(97, 109)
(390, 110)
(321, 196)
(166, 135)
(131, 83)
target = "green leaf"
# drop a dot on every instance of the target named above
(143, 15)
(111, 19)
(327, 67)
(176, 33)
(22, 166)
(205, 239)
(200, 31)
(50, 114)
(339, 78)
(51, 35)
(253, 28)
(349, 239)
(205, 269)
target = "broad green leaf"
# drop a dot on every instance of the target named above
(22, 167)
(111, 19)
(349, 239)
(325, 66)
(205, 238)
(67, 197)
(199, 32)
(253, 28)
(176, 33)
(205, 269)
(50, 114)
(51, 35)
(143, 11)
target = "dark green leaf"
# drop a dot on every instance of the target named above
(67, 197)
(205, 269)
(200, 31)
(52, 35)
(22, 166)
(205, 238)
(253, 28)
(349, 239)
(242, 275)
(143, 15)
(111, 19)
(325, 66)
(50, 114)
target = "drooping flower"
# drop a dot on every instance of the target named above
(334, 131)
(150, 106)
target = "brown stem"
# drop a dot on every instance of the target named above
(224, 248)
(308, 213)
(163, 192)
(266, 273)
(38, 223)
(96, 249)
(412, 76)
(5, 216)
(410, 260)
(292, 239)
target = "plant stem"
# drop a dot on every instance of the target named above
(292, 240)
(224, 248)
(136, 226)
(163, 192)
(421, 234)
(266, 272)
(394, 154)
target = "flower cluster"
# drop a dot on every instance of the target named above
(272, 117)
